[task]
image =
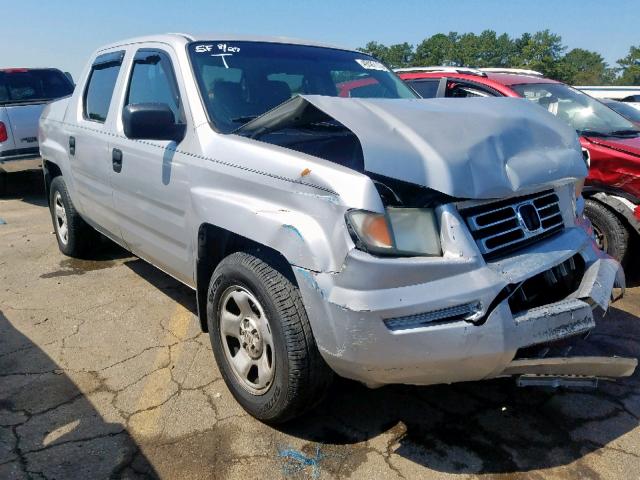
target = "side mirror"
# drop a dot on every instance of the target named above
(70, 77)
(151, 121)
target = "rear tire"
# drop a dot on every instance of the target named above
(75, 237)
(262, 340)
(612, 235)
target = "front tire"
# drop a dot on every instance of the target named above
(75, 237)
(262, 340)
(612, 236)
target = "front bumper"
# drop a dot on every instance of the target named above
(348, 319)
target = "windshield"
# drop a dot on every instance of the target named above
(624, 109)
(584, 113)
(239, 81)
(26, 85)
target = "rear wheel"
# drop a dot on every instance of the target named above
(262, 340)
(612, 236)
(75, 237)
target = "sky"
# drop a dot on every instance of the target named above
(64, 33)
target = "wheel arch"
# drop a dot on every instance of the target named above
(51, 171)
(617, 208)
(214, 244)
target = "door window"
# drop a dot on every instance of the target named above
(153, 81)
(102, 81)
(458, 89)
(425, 88)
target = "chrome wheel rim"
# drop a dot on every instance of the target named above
(246, 339)
(60, 213)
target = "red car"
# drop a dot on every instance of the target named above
(611, 143)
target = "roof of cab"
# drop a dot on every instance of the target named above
(181, 39)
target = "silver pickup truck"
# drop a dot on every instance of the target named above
(24, 92)
(386, 238)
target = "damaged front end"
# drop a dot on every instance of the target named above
(461, 318)
(445, 283)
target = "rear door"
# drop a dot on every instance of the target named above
(151, 186)
(88, 144)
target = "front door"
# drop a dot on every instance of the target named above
(150, 183)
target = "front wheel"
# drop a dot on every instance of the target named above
(262, 340)
(612, 236)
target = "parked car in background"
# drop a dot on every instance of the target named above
(24, 92)
(325, 234)
(629, 94)
(611, 143)
(623, 108)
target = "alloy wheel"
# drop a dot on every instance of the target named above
(247, 339)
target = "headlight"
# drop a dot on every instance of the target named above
(398, 231)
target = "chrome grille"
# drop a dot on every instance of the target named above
(510, 224)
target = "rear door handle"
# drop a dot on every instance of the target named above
(116, 160)
(72, 145)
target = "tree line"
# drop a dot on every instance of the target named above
(542, 51)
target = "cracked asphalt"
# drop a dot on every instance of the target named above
(105, 374)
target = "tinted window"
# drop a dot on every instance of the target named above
(17, 86)
(241, 80)
(457, 89)
(153, 81)
(102, 81)
(425, 88)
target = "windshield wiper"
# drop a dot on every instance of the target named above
(591, 133)
(625, 133)
(615, 133)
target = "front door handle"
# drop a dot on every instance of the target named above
(116, 160)
(72, 145)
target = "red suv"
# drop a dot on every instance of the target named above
(611, 143)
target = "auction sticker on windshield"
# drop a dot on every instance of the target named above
(371, 64)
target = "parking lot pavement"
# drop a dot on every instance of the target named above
(104, 372)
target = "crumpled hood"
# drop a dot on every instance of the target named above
(467, 148)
